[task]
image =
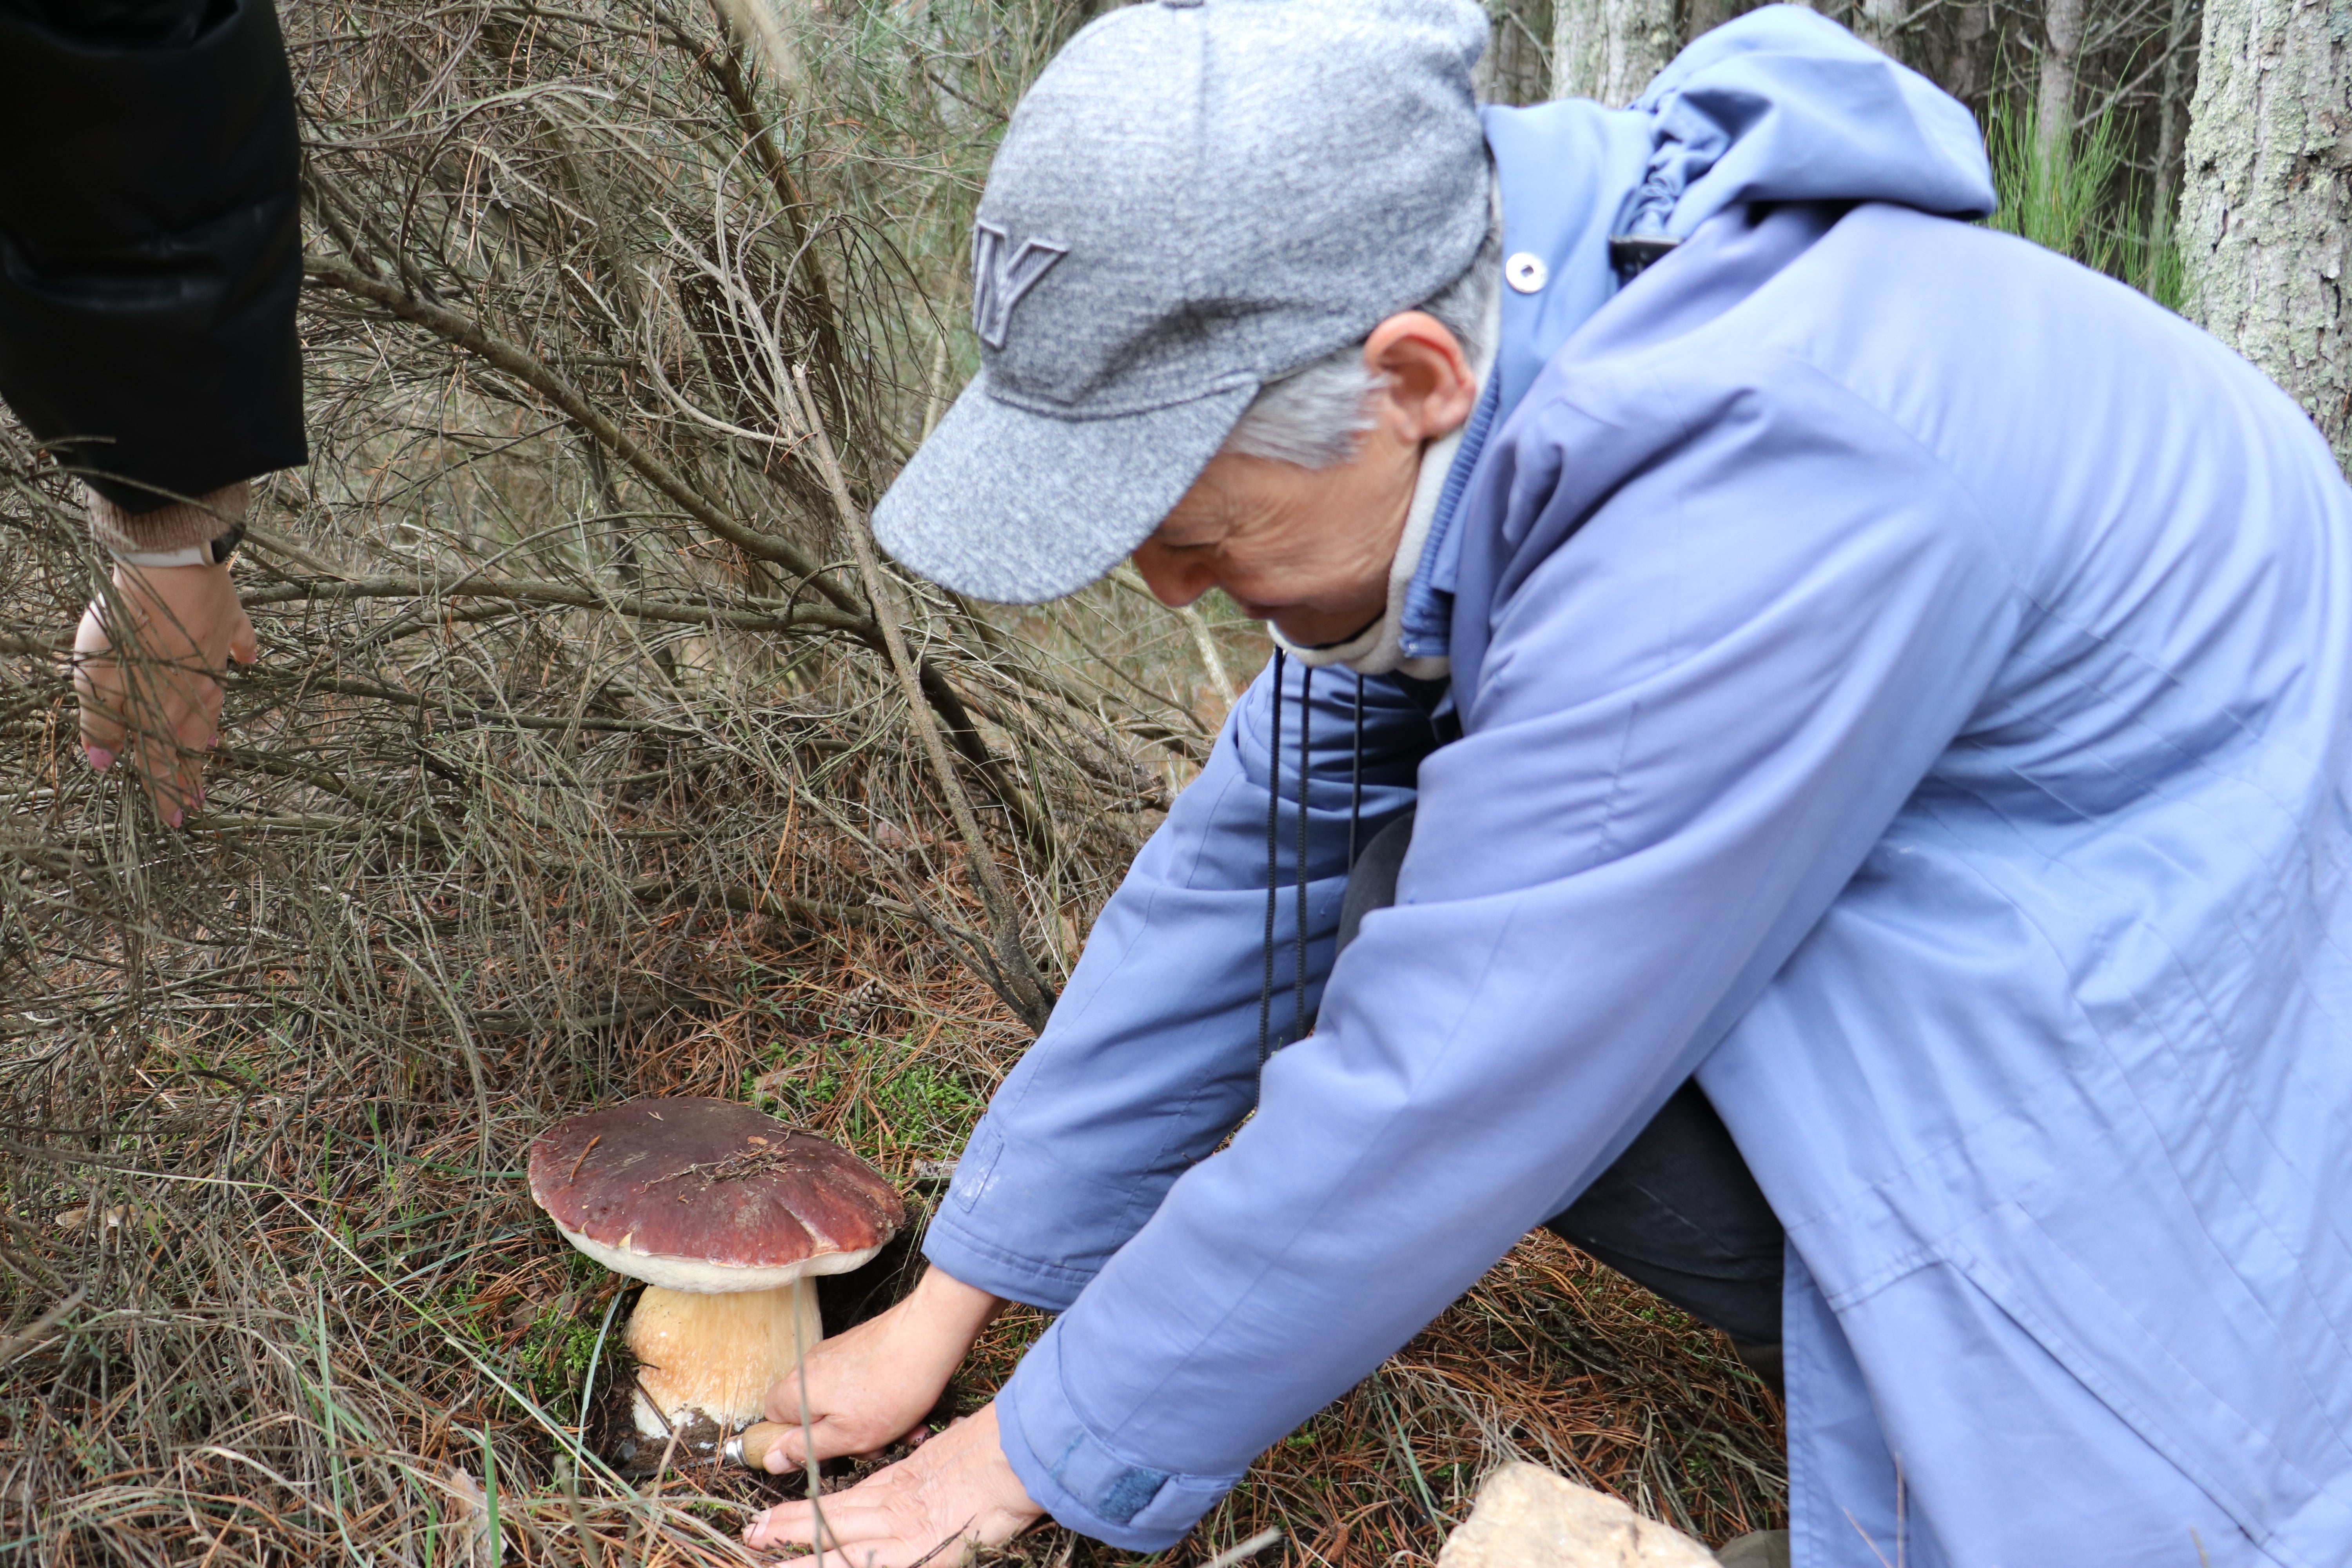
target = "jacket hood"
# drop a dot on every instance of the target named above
(1781, 105)
(1784, 105)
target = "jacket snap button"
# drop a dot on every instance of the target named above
(1525, 271)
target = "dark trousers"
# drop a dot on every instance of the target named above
(1679, 1212)
(150, 248)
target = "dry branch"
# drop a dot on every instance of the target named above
(1015, 975)
(466, 333)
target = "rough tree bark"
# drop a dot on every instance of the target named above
(1608, 49)
(2266, 200)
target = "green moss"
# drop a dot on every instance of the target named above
(555, 1351)
(929, 1111)
(899, 1106)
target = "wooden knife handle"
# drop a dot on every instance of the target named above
(751, 1445)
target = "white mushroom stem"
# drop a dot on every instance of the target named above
(716, 1355)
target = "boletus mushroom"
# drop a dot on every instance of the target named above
(726, 1214)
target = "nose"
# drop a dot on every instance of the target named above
(1174, 579)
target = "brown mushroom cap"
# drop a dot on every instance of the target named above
(709, 1196)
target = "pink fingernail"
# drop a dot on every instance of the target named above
(171, 818)
(100, 757)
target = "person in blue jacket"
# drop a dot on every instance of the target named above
(1834, 655)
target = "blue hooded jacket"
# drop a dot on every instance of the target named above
(1901, 677)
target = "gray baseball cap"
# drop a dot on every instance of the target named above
(1195, 198)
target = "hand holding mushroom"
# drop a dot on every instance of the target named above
(871, 1385)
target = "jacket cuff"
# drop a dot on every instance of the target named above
(1086, 1485)
(973, 1260)
(175, 525)
(968, 1231)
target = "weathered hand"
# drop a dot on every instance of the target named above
(146, 664)
(958, 1485)
(870, 1385)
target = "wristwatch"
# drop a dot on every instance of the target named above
(218, 553)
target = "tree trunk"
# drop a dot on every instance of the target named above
(1517, 66)
(1700, 16)
(2062, 54)
(2266, 202)
(1880, 23)
(1959, 58)
(2171, 106)
(1608, 49)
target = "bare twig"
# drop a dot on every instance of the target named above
(1015, 978)
(32, 1333)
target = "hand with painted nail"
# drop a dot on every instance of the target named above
(147, 662)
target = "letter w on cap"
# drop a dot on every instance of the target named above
(999, 280)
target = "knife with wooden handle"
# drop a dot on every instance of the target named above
(750, 1445)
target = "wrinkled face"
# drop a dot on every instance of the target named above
(1309, 549)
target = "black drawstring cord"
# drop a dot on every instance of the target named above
(1356, 775)
(1306, 779)
(1274, 841)
(1273, 870)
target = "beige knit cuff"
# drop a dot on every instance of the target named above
(175, 525)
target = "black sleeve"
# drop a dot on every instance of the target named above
(150, 241)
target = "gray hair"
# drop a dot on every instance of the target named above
(1314, 415)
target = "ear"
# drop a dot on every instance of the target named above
(1427, 388)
